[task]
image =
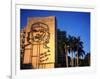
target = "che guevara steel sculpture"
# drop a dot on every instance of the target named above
(39, 37)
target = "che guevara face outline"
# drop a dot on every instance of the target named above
(40, 32)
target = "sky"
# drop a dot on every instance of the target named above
(74, 23)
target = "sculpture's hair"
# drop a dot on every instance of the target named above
(46, 35)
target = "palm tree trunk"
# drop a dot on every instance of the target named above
(77, 58)
(72, 60)
(66, 57)
(65, 47)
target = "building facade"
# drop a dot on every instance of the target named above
(37, 43)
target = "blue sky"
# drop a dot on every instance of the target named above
(74, 23)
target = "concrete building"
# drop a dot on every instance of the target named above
(37, 42)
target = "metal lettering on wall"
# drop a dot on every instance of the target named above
(39, 44)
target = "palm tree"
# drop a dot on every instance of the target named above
(66, 47)
(78, 47)
(72, 45)
(87, 60)
(80, 53)
(62, 43)
(75, 45)
(71, 48)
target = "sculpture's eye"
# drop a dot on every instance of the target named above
(41, 31)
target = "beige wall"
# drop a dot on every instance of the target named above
(36, 53)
